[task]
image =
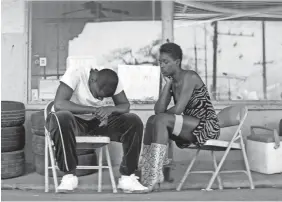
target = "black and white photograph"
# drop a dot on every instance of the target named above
(154, 100)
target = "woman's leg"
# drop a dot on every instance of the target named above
(152, 170)
(149, 130)
(168, 123)
(163, 125)
(147, 140)
(153, 162)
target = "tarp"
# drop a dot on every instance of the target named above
(224, 10)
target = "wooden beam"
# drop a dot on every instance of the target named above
(215, 37)
(87, 19)
(264, 83)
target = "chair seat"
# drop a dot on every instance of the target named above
(92, 139)
(217, 145)
(91, 142)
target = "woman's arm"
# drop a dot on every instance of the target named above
(185, 95)
(165, 98)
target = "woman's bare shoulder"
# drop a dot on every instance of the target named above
(195, 77)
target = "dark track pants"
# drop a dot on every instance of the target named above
(124, 128)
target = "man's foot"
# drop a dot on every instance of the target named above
(130, 184)
(69, 182)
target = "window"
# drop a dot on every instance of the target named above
(242, 48)
(108, 33)
(247, 53)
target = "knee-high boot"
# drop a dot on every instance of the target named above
(166, 160)
(152, 170)
(144, 155)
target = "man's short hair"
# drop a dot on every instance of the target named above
(173, 49)
(107, 81)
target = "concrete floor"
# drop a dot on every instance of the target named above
(266, 194)
(34, 181)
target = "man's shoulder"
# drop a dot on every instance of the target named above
(78, 71)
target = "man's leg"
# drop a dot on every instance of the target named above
(127, 129)
(63, 127)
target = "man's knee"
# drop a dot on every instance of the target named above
(151, 119)
(133, 119)
(61, 117)
(64, 115)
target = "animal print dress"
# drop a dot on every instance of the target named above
(200, 106)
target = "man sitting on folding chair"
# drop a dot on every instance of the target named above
(77, 112)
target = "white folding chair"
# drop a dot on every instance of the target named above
(96, 142)
(229, 116)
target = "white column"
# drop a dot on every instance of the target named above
(167, 10)
(167, 34)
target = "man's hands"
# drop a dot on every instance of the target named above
(103, 113)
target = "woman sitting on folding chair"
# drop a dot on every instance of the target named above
(191, 121)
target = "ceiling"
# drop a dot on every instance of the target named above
(97, 10)
(151, 10)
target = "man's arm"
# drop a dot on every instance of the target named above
(122, 104)
(185, 95)
(164, 99)
(62, 101)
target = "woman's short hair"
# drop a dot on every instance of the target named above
(173, 49)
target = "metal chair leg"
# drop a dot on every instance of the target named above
(187, 171)
(111, 169)
(46, 165)
(218, 167)
(53, 164)
(215, 166)
(100, 170)
(247, 163)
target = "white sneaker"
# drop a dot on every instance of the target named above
(130, 184)
(68, 183)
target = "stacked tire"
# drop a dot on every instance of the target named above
(85, 156)
(12, 139)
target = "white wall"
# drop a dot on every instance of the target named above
(13, 48)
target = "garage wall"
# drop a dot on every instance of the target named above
(13, 51)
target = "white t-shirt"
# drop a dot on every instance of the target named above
(77, 79)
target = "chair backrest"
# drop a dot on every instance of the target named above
(232, 116)
(280, 128)
(48, 109)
